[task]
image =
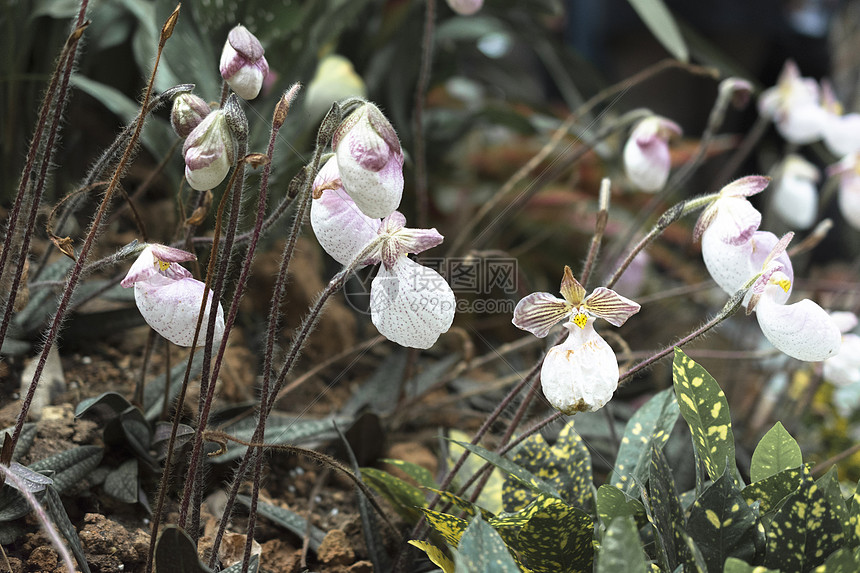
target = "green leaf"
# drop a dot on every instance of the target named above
(524, 476)
(845, 560)
(25, 440)
(281, 429)
(829, 484)
(55, 508)
(404, 497)
(420, 474)
(137, 431)
(375, 391)
(111, 401)
(661, 23)
(770, 491)
(153, 392)
(253, 565)
(490, 497)
(776, 451)
(287, 519)
(436, 555)
(481, 550)
(651, 424)
(464, 505)
(703, 405)
(620, 548)
(450, 527)
(566, 466)
(665, 513)
(723, 524)
(735, 565)
(175, 553)
(122, 483)
(557, 537)
(509, 525)
(853, 510)
(804, 530)
(613, 503)
(71, 466)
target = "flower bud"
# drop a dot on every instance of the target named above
(243, 65)
(465, 7)
(187, 113)
(208, 152)
(646, 153)
(370, 161)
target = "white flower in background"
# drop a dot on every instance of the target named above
(410, 304)
(168, 296)
(793, 104)
(243, 65)
(841, 130)
(335, 79)
(848, 171)
(370, 161)
(187, 112)
(581, 374)
(795, 199)
(646, 154)
(209, 152)
(465, 7)
(844, 368)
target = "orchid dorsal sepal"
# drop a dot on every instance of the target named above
(732, 198)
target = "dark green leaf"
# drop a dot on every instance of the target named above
(620, 549)
(703, 405)
(55, 509)
(376, 390)
(70, 467)
(613, 503)
(524, 476)
(770, 491)
(464, 505)
(137, 432)
(557, 537)
(175, 553)
(804, 530)
(122, 483)
(420, 474)
(735, 565)
(845, 560)
(451, 528)
(651, 424)
(113, 402)
(253, 565)
(723, 524)
(776, 451)
(287, 519)
(282, 429)
(481, 550)
(404, 497)
(153, 392)
(661, 23)
(566, 466)
(829, 484)
(853, 510)
(665, 513)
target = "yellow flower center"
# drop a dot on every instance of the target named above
(162, 265)
(580, 319)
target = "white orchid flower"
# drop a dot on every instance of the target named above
(168, 296)
(795, 199)
(848, 171)
(243, 65)
(209, 152)
(841, 131)
(411, 304)
(844, 368)
(646, 153)
(793, 104)
(581, 374)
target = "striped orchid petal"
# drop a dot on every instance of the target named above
(610, 306)
(571, 290)
(539, 312)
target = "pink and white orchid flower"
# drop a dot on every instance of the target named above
(841, 130)
(209, 152)
(168, 296)
(796, 197)
(848, 171)
(794, 106)
(410, 304)
(370, 161)
(646, 153)
(844, 368)
(243, 65)
(580, 374)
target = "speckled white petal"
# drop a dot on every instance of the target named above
(211, 174)
(844, 368)
(339, 225)
(539, 312)
(377, 193)
(728, 265)
(802, 330)
(411, 304)
(796, 201)
(171, 307)
(581, 374)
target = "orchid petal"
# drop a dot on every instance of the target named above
(729, 265)
(158, 260)
(646, 154)
(844, 368)
(539, 312)
(842, 134)
(735, 221)
(845, 321)
(411, 304)
(610, 306)
(802, 330)
(571, 290)
(796, 201)
(171, 308)
(849, 197)
(581, 374)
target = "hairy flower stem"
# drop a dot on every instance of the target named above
(29, 195)
(599, 229)
(423, 201)
(75, 275)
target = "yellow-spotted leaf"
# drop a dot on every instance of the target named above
(804, 531)
(845, 560)
(853, 508)
(770, 491)
(450, 527)
(776, 451)
(464, 505)
(706, 411)
(666, 514)
(405, 498)
(620, 548)
(481, 550)
(829, 484)
(491, 495)
(510, 524)
(723, 525)
(566, 466)
(735, 565)
(651, 424)
(436, 555)
(613, 503)
(421, 475)
(558, 537)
